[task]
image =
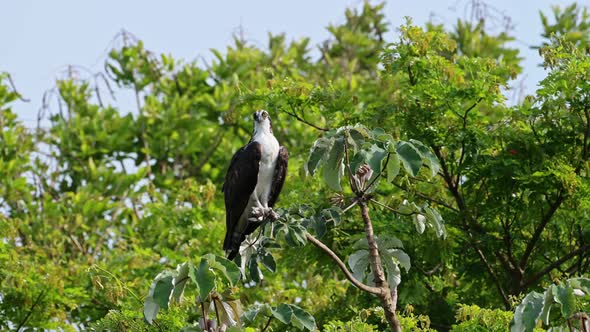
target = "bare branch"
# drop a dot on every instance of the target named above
(26, 100)
(342, 266)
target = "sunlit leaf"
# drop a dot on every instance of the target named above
(334, 167)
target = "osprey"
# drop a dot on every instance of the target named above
(253, 183)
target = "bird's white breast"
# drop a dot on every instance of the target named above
(268, 162)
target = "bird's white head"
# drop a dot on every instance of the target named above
(262, 123)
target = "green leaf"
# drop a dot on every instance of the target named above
(205, 279)
(435, 220)
(419, 222)
(393, 167)
(357, 160)
(334, 168)
(283, 313)
(302, 318)
(428, 157)
(332, 214)
(318, 225)
(180, 280)
(527, 313)
(410, 157)
(375, 156)
(393, 272)
(564, 295)
(162, 288)
(547, 303)
(150, 310)
(317, 154)
(158, 295)
(388, 242)
(228, 269)
(357, 138)
(402, 258)
(269, 262)
(582, 284)
(358, 262)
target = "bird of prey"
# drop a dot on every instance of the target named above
(253, 182)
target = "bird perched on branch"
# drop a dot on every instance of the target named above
(253, 183)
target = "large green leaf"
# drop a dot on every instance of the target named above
(402, 258)
(180, 280)
(268, 261)
(393, 166)
(158, 295)
(228, 269)
(582, 284)
(435, 220)
(334, 167)
(359, 262)
(302, 319)
(547, 303)
(205, 279)
(317, 153)
(150, 309)
(410, 157)
(283, 313)
(392, 272)
(428, 157)
(564, 295)
(162, 288)
(527, 313)
(375, 155)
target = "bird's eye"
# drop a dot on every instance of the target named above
(265, 114)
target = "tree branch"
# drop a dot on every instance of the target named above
(390, 208)
(428, 198)
(388, 295)
(300, 119)
(539, 230)
(342, 266)
(534, 278)
(24, 321)
(461, 158)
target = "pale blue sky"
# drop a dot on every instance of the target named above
(38, 39)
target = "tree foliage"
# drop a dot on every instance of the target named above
(411, 178)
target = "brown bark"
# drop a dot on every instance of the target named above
(386, 295)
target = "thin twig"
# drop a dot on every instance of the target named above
(428, 198)
(354, 202)
(300, 119)
(267, 324)
(26, 100)
(39, 297)
(390, 208)
(342, 266)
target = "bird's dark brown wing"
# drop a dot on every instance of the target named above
(240, 182)
(279, 176)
